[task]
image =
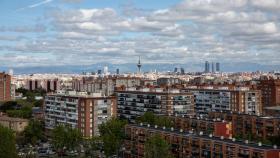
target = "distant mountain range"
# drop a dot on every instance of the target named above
(131, 67)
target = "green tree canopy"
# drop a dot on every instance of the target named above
(151, 118)
(65, 136)
(112, 134)
(156, 147)
(7, 143)
(33, 132)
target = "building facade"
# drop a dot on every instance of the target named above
(217, 127)
(270, 89)
(79, 110)
(250, 126)
(133, 103)
(16, 124)
(5, 87)
(186, 144)
(238, 100)
(105, 86)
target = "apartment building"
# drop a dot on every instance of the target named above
(239, 100)
(186, 144)
(5, 87)
(270, 89)
(133, 103)
(105, 85)
(244, 125)
(217, 127)
(47, 84)
(79, 110)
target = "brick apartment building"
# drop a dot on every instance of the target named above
(244, 125)
(133, 103)
(238, 100)
(185, 144)
(270, 89)
(5, 87)
(216, 127)
(79, 110)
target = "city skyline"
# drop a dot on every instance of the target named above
(61, 33)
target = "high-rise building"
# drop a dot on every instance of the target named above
(117, 71)
(78, 110)
(238, 100)
(5, 87)
(99, 72)
(133, 103)
(213, 67)
(207, 67)
(106, 70)
(217, 67)
(139, 65)
(182, 71)
(175, 69)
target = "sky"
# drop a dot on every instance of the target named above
(85, 32)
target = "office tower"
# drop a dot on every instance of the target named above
(139, 65)
(133, 103)
(175, 69)
(213, 67)
(182, 71)
(105, 70)
(217, 67)
(79, 110)
(5, 87)
(117, 71)
(207, 67)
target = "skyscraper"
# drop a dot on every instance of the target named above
(117, 71)
(207, 67)
(105, 70)
(182, 71)
(213, 67)
(139, 65)
(217, 67)
(175, 69)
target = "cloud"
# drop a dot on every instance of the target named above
(192, 31)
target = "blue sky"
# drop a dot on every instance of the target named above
(85, 32)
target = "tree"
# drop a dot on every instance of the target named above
(93, 146)
(112, 134)
(66, 137)
(148, 117)
(7, 143)
(151, 118)
(25, 112)
(39, 103)
(33, 132)
(156, 147)
(30, 96)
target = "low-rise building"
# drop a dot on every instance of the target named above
(198, 124)
(79, 110)
(250, 126)
(16, 124)
(186, 144)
